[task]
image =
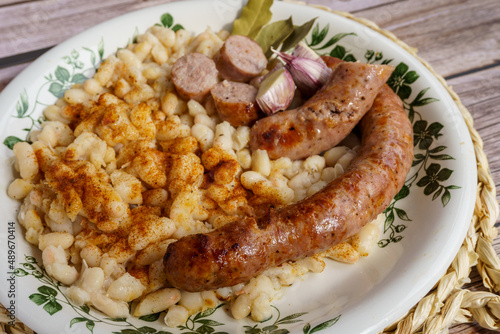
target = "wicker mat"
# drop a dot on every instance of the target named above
(447, 303)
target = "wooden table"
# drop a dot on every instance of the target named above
(460, 39)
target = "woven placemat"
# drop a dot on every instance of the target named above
(448, 303)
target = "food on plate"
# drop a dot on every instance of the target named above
(193, 76)
(276, 91)
(236, 102)
(326, 118)
(154, 154)
(240, 250)
(240, 59)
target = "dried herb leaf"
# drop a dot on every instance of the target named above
(298, 34)
(273, 34)
(254, 16)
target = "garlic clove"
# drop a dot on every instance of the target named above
(309, 75)
(304, 51)
(276, 91)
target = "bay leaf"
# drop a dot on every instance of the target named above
(298, 34)
(273, 34)
(255, 15)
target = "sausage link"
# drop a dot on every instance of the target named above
(241, 250)
(326, 118)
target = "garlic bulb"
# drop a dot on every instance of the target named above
(304, 51)
(276, 91)
(309, 74)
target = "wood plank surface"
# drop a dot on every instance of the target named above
(459, 38)
(444, 38)
(479, 92)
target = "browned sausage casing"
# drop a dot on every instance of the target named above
(241, 250)
(326, 118)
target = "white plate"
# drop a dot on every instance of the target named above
(362, 298)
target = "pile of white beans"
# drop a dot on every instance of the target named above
(144, 152)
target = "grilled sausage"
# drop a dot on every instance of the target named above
(326, 118)
(194, 75)
(236, 102)
(240, 59)
(241, 250)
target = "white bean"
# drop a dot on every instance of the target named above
(92, 279)
(343, 252)
(195, 108)
(346, 159)
(176, 315)
(153, 252)
(333, 155)
(92, 255)
(110, 307)
(192, 301)
(19, 189)
(126, 288)
(204, 135)
(157, 301)
(314, 163)
(223, 136)
(241, 137)
(63, 239)
(261, 163)
(150, 231)
(26, 160)
(77, 295)
(206, 120)
(366, 239)
(241, 306)
(76, 95)
(261, 308)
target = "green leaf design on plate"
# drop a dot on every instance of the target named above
(320, 327)
(10, 141)
(78, 78)
(62, 74)
(167, 20)
(52, 307)
(335, 39)
(22, 105)
(150, 317)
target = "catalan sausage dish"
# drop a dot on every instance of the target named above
(195, 169)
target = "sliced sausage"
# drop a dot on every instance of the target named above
(326, 118)
(235, 102)
(240, 59)
(194, 75)
(241, 250)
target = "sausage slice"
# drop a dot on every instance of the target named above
(240, 59)
(236, 102)
(194, 75)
